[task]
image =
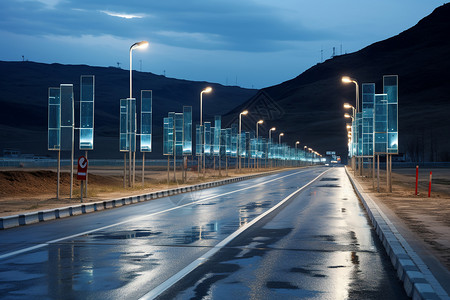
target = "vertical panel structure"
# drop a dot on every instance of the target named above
(131, 112)
(217, 131)
(390, 87)
(168, 136)
(146, 120)
(368, 98)
(87, 97)
(199, 140)
(228, 145)
(123, 141)
(54, 119)
(359, 133)
(67, 116)
(178, 125)
(187, 130)
(234, 139)
(207, 147)
(380, 124)
(223, 142)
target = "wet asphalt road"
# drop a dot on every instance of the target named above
(319, 245)
(125, 253)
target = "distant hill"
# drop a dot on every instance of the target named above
(309, 108)
(23, 101)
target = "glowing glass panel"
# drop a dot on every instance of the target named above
(67, 116)
(146, 120)
(54, 119)
(187, 130)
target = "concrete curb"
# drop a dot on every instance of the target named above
(418, 281)
(63, 212)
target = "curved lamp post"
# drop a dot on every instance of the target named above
(268, 142)
(138, 45)
(206, 90)
(346, 79)
(245, 112)
(256, 155)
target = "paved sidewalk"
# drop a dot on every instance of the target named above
(422, 267)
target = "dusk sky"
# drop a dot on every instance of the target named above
(255, 43)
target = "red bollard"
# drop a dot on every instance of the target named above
(417, 177)
(429, 186)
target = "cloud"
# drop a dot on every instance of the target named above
(123, 15)
(230, 25)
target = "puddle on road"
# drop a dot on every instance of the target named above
(329, 179)
(196, 233)
(329, 185)
(122, 235)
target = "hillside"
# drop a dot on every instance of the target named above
(23, 100)
(309, 107)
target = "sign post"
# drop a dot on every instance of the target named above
(82, 172)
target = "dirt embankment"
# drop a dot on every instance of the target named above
(427, 217)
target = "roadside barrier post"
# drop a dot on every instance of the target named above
(417, 177)
(429, 185)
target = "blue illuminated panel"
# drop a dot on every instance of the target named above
(207, 148)
(199, 140)
(228, 145)
(131, 111)
(178, 122)
(67, 116)
(368, 98)
(380, 124)
(390, 87)
(146, 120)
(123, 141)
(223, 142)
(168, 136)
(87, 96)
(187, 130)
(54, 119)
(217, 131)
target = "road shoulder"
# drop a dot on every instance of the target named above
(417, 276)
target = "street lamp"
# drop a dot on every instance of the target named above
(138, 45)
(296, 143)
(268, 142)
(239, 139)
(257, 123)
(206, 90)
(256, 154)
(346, 79)
(346, 115)
(279, 138)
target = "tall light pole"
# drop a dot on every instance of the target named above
(279, 143)
(206, 90)
(138, 45)
(239, 139)
(296, 154)
(256, 155)
(268, 142)
(279, 138)
(310, 151)
(346, 79)
(296, 143)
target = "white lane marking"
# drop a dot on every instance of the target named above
(6, 255)
(202, 259)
